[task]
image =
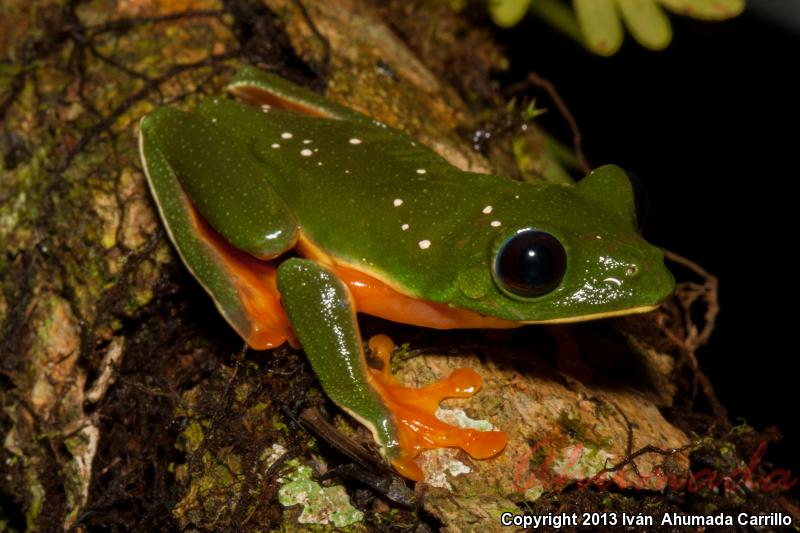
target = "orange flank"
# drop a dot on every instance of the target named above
(414, 411)
(376, 298)
(256, 282)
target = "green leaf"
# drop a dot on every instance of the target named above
(600, 25)
(705, 9)
(560, 16)
(506, 13)
(647, 23)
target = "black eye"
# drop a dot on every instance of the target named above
(530, 264)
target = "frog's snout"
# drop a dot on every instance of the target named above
(633, 276)
(655, 280)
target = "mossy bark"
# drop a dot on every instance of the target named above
(127, 402)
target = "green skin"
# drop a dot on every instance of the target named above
(370, 197)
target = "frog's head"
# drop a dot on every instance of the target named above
(569, 253)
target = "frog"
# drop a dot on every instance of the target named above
(295, 213)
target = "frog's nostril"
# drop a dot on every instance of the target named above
(632, 270)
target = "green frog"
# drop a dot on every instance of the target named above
(296, 213)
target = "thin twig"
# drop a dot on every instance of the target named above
(326, 45)
(116, 64)
(118, 111)
(124, 24)
(708, 291)
(550, 89)
(642, 451)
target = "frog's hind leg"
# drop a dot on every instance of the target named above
(228, 185)
(401, 419)
(259, 88)
(243, 287)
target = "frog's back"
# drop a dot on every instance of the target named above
(371, 197)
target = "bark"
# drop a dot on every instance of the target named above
(128, 403)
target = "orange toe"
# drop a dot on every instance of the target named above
(414, 411)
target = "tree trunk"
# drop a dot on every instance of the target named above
(129, 403)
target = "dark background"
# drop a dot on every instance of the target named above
(710, 125)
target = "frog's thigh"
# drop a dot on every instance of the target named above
(243, 287)
(262, 88)
(227, 184)
(321, 311)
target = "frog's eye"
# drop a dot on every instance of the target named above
(530, 263)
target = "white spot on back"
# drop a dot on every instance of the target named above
(306, 141)
(404, 227)
(495, 223)
(305, 152)
(397, 202)
(276, 145)
(286, 135)
(421, 171)
(487, 210)
(355, 140)
(424, 244)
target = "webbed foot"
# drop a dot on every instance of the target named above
(414, 411)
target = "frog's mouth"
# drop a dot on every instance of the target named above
(596, 316)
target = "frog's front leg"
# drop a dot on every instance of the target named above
(402, 419)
